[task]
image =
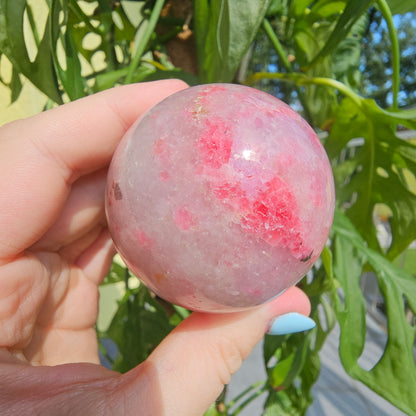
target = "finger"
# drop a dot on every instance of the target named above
(96, 260)
(188, 370)
(43, 155)
(82, 213)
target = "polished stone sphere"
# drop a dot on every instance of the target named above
(220, 197)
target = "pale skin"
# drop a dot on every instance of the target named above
(55, 250)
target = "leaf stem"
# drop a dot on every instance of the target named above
(285, 61)
(246, 402)
(258, 385)
(301, 79)
(395, 49)
(276, 44)
(144, 40)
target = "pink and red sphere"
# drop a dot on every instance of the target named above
(220, 197)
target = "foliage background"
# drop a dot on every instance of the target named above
(348, 67)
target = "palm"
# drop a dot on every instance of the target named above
(61, 293)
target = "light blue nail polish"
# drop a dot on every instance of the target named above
(290, 323)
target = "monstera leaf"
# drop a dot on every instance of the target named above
(394, 375)
(377, 172)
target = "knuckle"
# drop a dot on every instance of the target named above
(229, 358)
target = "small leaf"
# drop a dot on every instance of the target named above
(281, 370)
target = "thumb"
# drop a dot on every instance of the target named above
(188, 370)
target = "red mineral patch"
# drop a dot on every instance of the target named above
(160, 147)
(184, 219)
(214, 144)
(164, 176)
(233, 195)
(273, 217)
(143, 239)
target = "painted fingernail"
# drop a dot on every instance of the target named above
(290, 323)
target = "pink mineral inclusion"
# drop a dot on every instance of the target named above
(143, 239)
(184, 219)
(214, 144)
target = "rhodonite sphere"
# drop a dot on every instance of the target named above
(220, 197)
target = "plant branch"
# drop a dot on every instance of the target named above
(141, 46)
(395, 49)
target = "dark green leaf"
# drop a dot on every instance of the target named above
(15, 85)
(41, 71)
(70, 76)
(402, 6)
(138, 326)
(394, 375)
(224, 31)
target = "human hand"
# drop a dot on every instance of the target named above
(54, 252)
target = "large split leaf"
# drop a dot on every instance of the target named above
(41, 71)
(224, 31)
(376, 174)
(394, 375)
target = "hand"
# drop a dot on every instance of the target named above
(54, 252)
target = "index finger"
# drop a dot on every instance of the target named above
(43, 155)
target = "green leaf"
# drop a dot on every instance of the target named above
(394, 375)
(375, 174)
(281, 370)
(327, 8)
(401, 6)
(320, 101)
(41, 71)
(346, 59)
(138, 326)
(213, 411)
(70, 76)
(15, 85)
(354, 9)
(117, 273)
(224, 31)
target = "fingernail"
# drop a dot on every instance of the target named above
(290, 323)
